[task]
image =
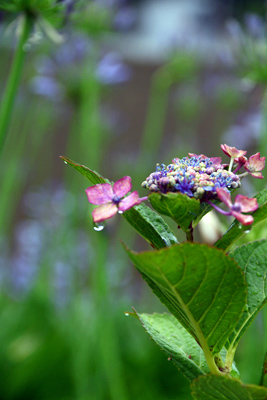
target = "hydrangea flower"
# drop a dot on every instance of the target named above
(207, 179)
(254, 165)
(196, 176)
(232, 152)
(242, 204)
(110, 198)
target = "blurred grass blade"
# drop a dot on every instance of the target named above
(14, 78)
(264, 372)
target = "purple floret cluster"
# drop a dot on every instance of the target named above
(195, 176)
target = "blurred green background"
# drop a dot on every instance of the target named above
(121, 86)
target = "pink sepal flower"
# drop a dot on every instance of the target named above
(241, 204)
(110, 199)
(232, 151)
(254, 165)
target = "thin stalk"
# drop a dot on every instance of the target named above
(156, 116)
(106, 339)
(263, 137)
(13, 79)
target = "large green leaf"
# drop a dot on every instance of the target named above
(150, 226)
(92, 176)
(181, 208)
(174, 339)
(212, 387)
(201, 286)
(252, 258)
(144, 220)
(235, 230)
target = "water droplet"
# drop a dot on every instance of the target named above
(240, 226)
(120, 212)
(99, 226)
(259, 274)
(126, 314)
(65, 162)
(247, 231)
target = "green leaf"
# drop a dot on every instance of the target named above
(144, 220)
(180, 346)
(212, 387)
(252, 258)
(201, 286)
(92, 176)
(150, 226)
(181, 208)
(235, 231)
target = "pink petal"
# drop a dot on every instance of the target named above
(100, 194)
(257, 175)
(122, 186)
(216, 160)
(224, 197)
(104, 212)
(244, 219)
(255, 163)
(130, 201)
(246, 204)
(232, 151)
(197, 155)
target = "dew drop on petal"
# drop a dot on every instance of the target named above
(99, 226)
(247, 229)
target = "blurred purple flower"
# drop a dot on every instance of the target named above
(254, 25)
(125, 18)
(246, 131)
(47, 87)
(111, 70)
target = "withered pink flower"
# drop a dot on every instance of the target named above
(110, 198)
(235, 154)
(232, 151)
(254, 165)
(241, 204)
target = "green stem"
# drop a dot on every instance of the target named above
(230, 358)
(189, 233)
(13, 79)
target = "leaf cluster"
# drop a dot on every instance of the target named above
(212, 296)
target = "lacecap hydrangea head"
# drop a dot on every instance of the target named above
(196, 176)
